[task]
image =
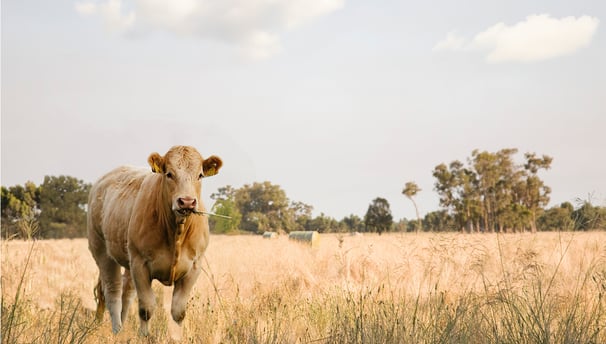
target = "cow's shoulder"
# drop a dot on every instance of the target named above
(117, 188)
(127, 177)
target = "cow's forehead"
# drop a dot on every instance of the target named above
(186, 158)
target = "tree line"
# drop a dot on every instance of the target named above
(54, 209)
(493, 193)
(262, 207)
(490, 192)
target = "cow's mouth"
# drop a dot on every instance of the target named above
(185, 212)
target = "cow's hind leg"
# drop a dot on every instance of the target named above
(100, 299)
(128, 293)
(111, 283)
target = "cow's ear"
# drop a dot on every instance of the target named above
(156, 162)
(211, 165)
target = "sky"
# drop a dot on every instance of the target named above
(336, 101)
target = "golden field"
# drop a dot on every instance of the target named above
(394, 288)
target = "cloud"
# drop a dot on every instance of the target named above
(255, 26)
(538, 37)
(110, 12)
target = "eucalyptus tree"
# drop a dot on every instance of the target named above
(536, 194)
(491, 192)
(410, 190)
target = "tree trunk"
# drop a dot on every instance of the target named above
(533, 225)
(486, 222)
(418, 217)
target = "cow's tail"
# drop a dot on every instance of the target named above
(100, 298)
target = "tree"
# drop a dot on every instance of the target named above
(221, 225)
(301, 213)
(536, 194)
(322, 224)
(353, 223)
(226, 192)
(491, 192)
(225, 204)
(264, 207)
(55, 209)
(557, 218)
(491, 171)
(588, 217)
(459, 194)
(410, 190)
(438, 221)
(63, 202)
(378, 216)
(20, 210)
(401, 225)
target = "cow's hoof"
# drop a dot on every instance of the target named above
(144, 330)
(178, 316)
(116, 329)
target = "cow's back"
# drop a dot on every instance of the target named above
(111, 203)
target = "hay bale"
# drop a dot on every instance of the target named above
(270, 235)
(311, 238)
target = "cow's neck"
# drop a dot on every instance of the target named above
(183, 227)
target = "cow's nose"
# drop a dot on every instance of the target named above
(187, 203)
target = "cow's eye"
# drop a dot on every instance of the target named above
(200, 176)
(169, 175)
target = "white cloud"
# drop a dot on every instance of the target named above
(261, 45)
(254, 25)
(538, 37)
(111, 12)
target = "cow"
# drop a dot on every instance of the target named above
(152, 224)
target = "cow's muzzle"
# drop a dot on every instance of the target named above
(186, 205)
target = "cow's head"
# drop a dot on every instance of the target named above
(183, 169)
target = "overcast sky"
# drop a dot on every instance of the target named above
(337, 101)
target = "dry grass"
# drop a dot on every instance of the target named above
(421, 288)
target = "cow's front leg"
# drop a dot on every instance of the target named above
(181, 293)
(147, 301)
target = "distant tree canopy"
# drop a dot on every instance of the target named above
(588, 216)
(55, 209)
(411, 189)
(20, 209)
(378, 217)
(557, 218)
(265, 207)
(229, 219)
(490, 192)
(439, 221)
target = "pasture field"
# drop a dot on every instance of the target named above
(394, 288)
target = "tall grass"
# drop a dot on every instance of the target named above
(12, 320)
(404, 288)
(25, 322)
